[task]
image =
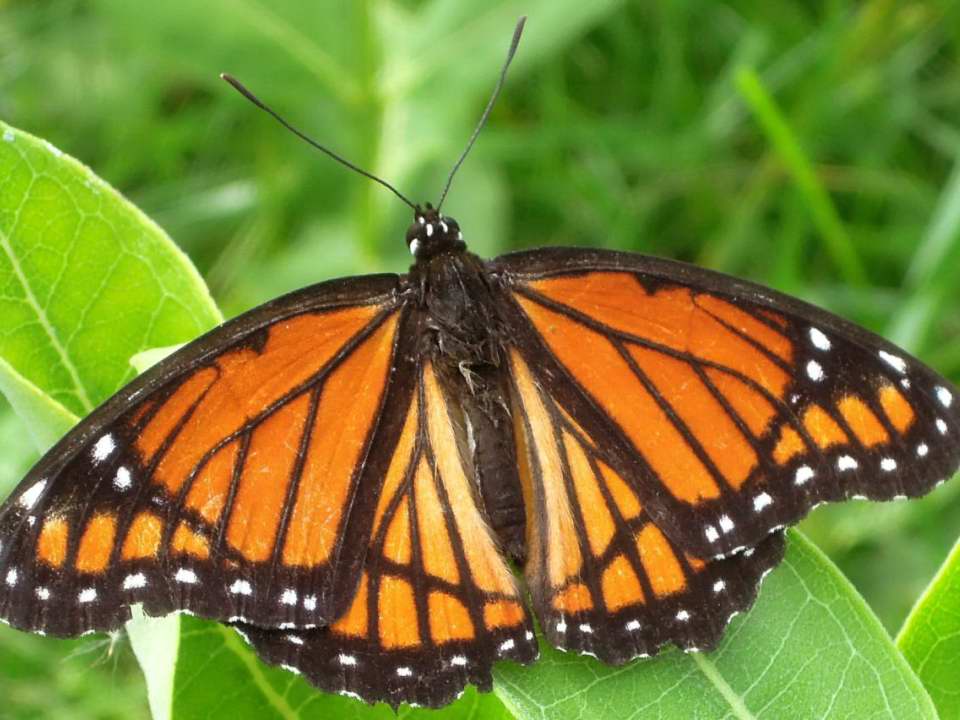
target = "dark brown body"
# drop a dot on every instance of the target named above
(464, 336)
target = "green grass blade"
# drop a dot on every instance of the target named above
(788, 148)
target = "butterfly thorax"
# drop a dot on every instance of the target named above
(456, 297)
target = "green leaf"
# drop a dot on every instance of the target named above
(87, 280)
(45, 418)
(218, 675)
(810, 648)
(930, 637)
(84, 320)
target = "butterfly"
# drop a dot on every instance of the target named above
(349, 474)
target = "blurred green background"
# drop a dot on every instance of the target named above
(629, 125)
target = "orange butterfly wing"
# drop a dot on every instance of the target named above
(605, 579)
(729, 409)
(437, 603)
(225, 480)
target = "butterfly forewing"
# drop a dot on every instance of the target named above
(437, 603)
(225, 480)
(730, 409)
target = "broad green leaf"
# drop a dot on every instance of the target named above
(86, 280)
(810, 648)
(930, 637)
(45, 418)
(219, 676)
(89, 282)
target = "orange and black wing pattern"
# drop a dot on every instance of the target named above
(730, 410)
(604, 578)
(437, 603)
(233, 480)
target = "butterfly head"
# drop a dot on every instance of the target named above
(431, 233)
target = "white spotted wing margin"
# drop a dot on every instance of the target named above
(845, 413)
(437, 604)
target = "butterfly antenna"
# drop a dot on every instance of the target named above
(239, 87)
(517, 32)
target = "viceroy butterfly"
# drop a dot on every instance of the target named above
(344, 473)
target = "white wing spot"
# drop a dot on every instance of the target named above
(295, 639)
(633, 625)
(845, 462)
(443, 226)
(761, 501)
(403, 670)
(942, 426)
(748, 552)
(944, 396)
(562, 626)
(905, 383)
(241, 587)
(30, 497)
(683, 616)
(289, 597)
(43, 593)
(345, 659)
(894, 361)
(726, 524)
(290, 669)
(87, 595)
(586, 628)
(429, 229)
(12, 577)
(815, 371)
(414, 246)
(135, 582)
(122, 481)
(922, 450)
(528, 635)
(310, 602)
(711, 532)
(888, 464)
(186, 576)
(103, 447)
(507, 645)
(819, 340)
(719, 586)
(458, 660)
(804, 474)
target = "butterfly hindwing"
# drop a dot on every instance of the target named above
(605, 579)
(223, 481)
(731, 409)
(437, 603)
